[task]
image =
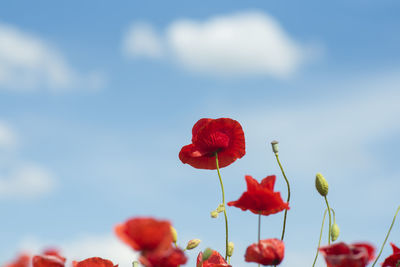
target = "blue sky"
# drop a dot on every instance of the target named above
(97, 98)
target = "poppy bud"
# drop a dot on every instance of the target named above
(220, 208)
(335, 232)
(135, 264)
(214, 214)
(231, 247)
(275, 147)
(174, 234)
(207, 254)
(193, 243)
(321, 184)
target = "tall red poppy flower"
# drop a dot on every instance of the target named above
(94, 262)
(209, 136)
(215, 260)
(172, 257)
(145, 234)
(260, 198)
(266, 252)
(22, 260)
(393, 259)
(343, 255)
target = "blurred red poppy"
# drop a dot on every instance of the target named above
(343, 255)
(94, 262)
(215, 260)
(209, 136)
(172, 257)
(266, 252)
(48, 261)
(393, 259)
(22, 260)
(260, 198)
(145, 234)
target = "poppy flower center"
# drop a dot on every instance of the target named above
(216, 142)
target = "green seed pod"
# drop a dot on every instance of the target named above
(214, 214)
(275, 147)
(335, 231)
(193, 243)
(174, 234)
(207, 254)
(221, 208)
(231, 247)
(321, 184)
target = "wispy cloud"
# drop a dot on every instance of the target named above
(27, 181)
(27, 62)
(8, 138)
(141, 40)
(248, 43)
(18, 178)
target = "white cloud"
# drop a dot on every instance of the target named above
(80, 248)
(141, 40)
(28, 63)
(26, 181)
(248, 43)
(8, 138)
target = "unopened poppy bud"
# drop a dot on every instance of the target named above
(214, 214)
(321, 184)
(207, 254)
(193, 243)
(275, 146)
(335, 231)
(174, 235)
(231, 247)
(221, 208)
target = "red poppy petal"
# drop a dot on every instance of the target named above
(119, 230)
(94, 262)
(199, 124)
(395, 248)
(252, 184)
(266, 252)
(268, 182)
(47, 261)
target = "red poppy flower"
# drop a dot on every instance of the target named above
(94, 262)
(343, 255)
(22, 260)
(145, 234)
(260, 198)
(393, 259)
(48, 261)
(209, 136)
(172, 257)
(215, 260)
(266, 252)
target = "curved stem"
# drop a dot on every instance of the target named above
(320, 236)
(329, 212)
(223, 202)
(288, 197)
(387, 236)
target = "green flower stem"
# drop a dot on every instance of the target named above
(320, 236)
(288, 197)
(223, 202)
(330, 220)
(387, 235)
(259, 230)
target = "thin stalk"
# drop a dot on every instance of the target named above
(223, 202)
(387, 236)
(330, 220)
(259, 230)
(320, 236)
(288, 197)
